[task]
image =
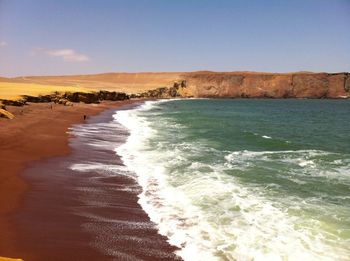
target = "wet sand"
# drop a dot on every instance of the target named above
(51, 212)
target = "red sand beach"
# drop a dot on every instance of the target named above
(44, 214)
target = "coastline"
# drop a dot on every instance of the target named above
(196, 159)
(24, 140)
(199, 84)
(46, 203)
(35, 135)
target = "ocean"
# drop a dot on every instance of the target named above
(244, 179)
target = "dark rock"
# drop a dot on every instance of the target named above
(64, 102)
(113, 96)
(95, 97)
(136, 95)
(173, 92)
(38, 99)
(82, 97)
(162, 92)
(13, 103)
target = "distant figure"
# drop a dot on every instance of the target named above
(51, 106)
(84, 117)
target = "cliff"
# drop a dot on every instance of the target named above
(267, 85)
(165, 85)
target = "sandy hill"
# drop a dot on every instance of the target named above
(124, 82)
(127, 82)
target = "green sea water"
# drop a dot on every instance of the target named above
(245, 179)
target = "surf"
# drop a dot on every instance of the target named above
(215, 203)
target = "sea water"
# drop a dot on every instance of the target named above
(244, 179)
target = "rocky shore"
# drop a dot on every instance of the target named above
(207, 85)
(69, 98)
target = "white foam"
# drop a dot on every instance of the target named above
(96, 166)
(306, 159)
(211, 216)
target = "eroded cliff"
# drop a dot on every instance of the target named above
(190, 84)
(270, 85)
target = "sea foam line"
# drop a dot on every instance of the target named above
(257, 230)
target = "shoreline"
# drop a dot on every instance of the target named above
(194, 159)
(33, 136)
(21, 146)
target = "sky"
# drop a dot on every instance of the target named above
(60, 37)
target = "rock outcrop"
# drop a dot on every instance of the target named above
(20, 102)
(164, 92)
(267, 85)
(6, 114)
(38, 99)
(94, 97)
(68, 98)
(216, 85)
(112, 96)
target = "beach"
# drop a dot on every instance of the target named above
(35, 202)
(174, 130)
(191, 179)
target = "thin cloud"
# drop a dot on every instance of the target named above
(3, 44)
(68, 55)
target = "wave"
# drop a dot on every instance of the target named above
(211, 215)
(315, 163)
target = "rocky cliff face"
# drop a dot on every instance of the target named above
(212, 84)
(260, 85)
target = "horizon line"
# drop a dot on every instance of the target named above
(172, 72)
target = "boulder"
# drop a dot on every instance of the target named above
(6, 114)
(64, 102)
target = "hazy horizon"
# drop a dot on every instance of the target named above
(52, 38)
(160, 72)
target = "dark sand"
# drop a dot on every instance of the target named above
(50, 212)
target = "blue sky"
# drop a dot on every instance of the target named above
(56, 37)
